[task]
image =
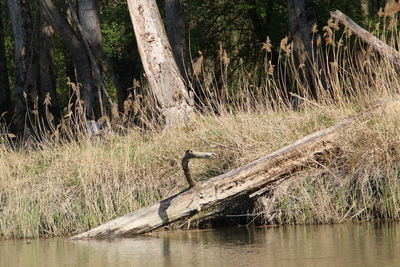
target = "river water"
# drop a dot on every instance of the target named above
(366, 244)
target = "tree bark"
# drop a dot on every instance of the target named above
(295, 34)
(197, 81)
(302, 17)
(161, 70)
(88, 13)
(221, 72)
(306, 18)
(175, 25)
(249, 180)
(88, 24)
(77, 51)
(48, 103)
(89, 19)
(5, 100)
(20, 26)
(379, 46)
(365, 9)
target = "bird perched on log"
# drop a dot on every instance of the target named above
(190, 154)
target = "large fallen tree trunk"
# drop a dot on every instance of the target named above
(378, 45)
(223, 189)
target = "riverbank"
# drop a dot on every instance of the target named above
(61, 189)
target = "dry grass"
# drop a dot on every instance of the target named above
(61, 187)
(66, 188)
(362, 183)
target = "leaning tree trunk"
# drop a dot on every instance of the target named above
(20, 26)
(5, 101)
(175, 25)
(76, 50)
(89, 19)
(89, 29)
(88, 13)
(48, 104)
(161, 70)
(378, 45)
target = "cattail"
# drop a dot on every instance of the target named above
(314, 29)
(267, 46)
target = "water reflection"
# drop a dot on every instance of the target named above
(326, 245)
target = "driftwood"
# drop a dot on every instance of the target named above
(379, 46)
(221, 190)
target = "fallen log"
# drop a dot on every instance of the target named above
(221, 190)
(378, 45)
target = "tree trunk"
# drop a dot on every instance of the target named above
(161, 70)
(89, 19)
(88, 13)
(218, 192)
(379, 46)
(48, 103)
(365, 9)
(295, 34)
(20, 26)
(175, 25)
(88, 24)
(5, 101)
(76, 50)
(302, 17)
(197, 81)
(221, 72)
(306, 18)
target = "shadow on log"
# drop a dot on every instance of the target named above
(214, 195)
